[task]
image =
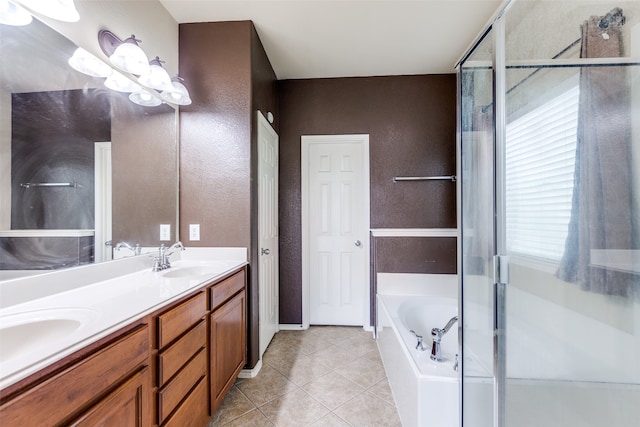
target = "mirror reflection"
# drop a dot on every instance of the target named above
(82, 167)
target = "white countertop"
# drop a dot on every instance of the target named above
(46, 318)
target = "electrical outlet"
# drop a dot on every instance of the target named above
(165, 232)
(194, 232)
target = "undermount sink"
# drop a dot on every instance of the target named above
(34, 331)
(186, 272)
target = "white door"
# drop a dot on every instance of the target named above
(267, 231)
(336, 228)
(102, 194)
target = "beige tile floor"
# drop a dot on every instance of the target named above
(324, 376)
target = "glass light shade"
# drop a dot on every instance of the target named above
(157, 77)
(130, 57)
(88, 64)
(144, 98)
(61, 10)
(178, 95)
(120, 83)
(12, 14)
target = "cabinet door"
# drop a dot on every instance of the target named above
(128, 405)
(228, 346)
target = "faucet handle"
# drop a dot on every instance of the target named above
(419, 345)
(156, 264)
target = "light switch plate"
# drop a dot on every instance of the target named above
(194, 232)
(165, 232)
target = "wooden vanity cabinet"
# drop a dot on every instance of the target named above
(228, 335)
(170, 369)
(110, 385)
(182, 395)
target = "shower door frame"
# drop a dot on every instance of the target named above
(500, 261)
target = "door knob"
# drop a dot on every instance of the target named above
(358, 243)
(264, 251)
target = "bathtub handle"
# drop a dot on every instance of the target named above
(419, 345)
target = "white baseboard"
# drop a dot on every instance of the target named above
(251, 373)
(292, 327)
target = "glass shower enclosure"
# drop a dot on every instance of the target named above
(549, 165)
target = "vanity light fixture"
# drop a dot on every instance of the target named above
(126, 55)
(61, 10)
(179, 94)
(88, 64)
(13, 14)
(144, 98)
(157, 77)
(120, 83)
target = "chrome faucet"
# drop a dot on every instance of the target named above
(177, 245)
(161, 262)
(436, 334)
(137, 250)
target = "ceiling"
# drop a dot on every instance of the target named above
(346, 38)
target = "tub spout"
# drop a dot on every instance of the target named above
(436, 334)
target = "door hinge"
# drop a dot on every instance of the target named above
(501, 269)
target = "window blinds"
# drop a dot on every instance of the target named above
(540, 158)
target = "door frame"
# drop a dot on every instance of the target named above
(102, 202)
(306, 141)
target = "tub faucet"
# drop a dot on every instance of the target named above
(436, 334)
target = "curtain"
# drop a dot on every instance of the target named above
(601, 215)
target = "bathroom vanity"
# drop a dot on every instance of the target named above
(141, 349)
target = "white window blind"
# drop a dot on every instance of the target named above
(540, 159)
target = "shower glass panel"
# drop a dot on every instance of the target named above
(477, 233)
(566, 200)
(572, 314)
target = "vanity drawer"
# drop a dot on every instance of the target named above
(174, 322)
(194, 411)
(173, 358)
(178, 388)
(226, 289)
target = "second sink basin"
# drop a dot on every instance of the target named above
(34, 331)
(187, 272)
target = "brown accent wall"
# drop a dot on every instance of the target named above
(422, 255)
(230, 78)
(411, 125)
(215, 133)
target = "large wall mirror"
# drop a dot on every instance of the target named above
(82, 168)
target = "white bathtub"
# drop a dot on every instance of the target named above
(426, 392)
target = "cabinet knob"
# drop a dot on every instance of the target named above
(358, 243)
(264, 251)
